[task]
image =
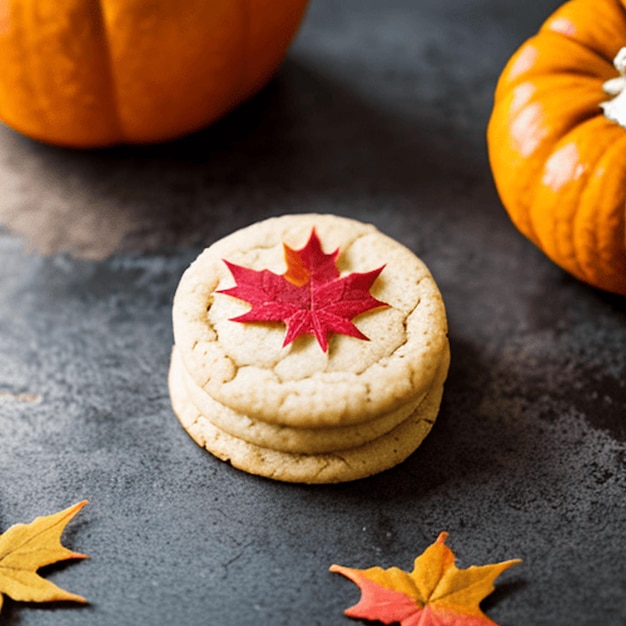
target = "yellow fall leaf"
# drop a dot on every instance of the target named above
(24, 548)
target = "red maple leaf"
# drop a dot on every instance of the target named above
(311, 298)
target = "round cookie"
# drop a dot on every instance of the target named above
(339, 466)
(285, 438)
(245, 367)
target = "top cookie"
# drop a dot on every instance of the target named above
(246, 367)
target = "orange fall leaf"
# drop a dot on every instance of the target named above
(435, 593)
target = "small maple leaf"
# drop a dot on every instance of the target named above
(435, 593)
(24, 548)
(311, 298)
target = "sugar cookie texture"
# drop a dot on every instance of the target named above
(296, 413)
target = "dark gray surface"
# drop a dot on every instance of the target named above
(379, 113)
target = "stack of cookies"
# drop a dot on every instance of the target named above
(297, 412)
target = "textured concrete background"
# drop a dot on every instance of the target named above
(378, 113)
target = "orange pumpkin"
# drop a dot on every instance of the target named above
(89, 73)
(557, 140)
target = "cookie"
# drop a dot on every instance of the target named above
(246, 368)
(308, 411)
(352, 463)
(285, 438)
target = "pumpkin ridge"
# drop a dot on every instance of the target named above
(28, 83)
(601, 265)
(106, 49)
(52, 73)
(554, 214)
(563, 55)
(530, 64)
(580, 223)
(576, 14)
(529, 70)
(535, 163)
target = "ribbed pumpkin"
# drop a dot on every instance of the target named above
(558, 161)
(89, 73)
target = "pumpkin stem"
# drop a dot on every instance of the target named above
(615, 109)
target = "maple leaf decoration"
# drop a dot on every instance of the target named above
(24, 548)
(435, 593)
(311, 298)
